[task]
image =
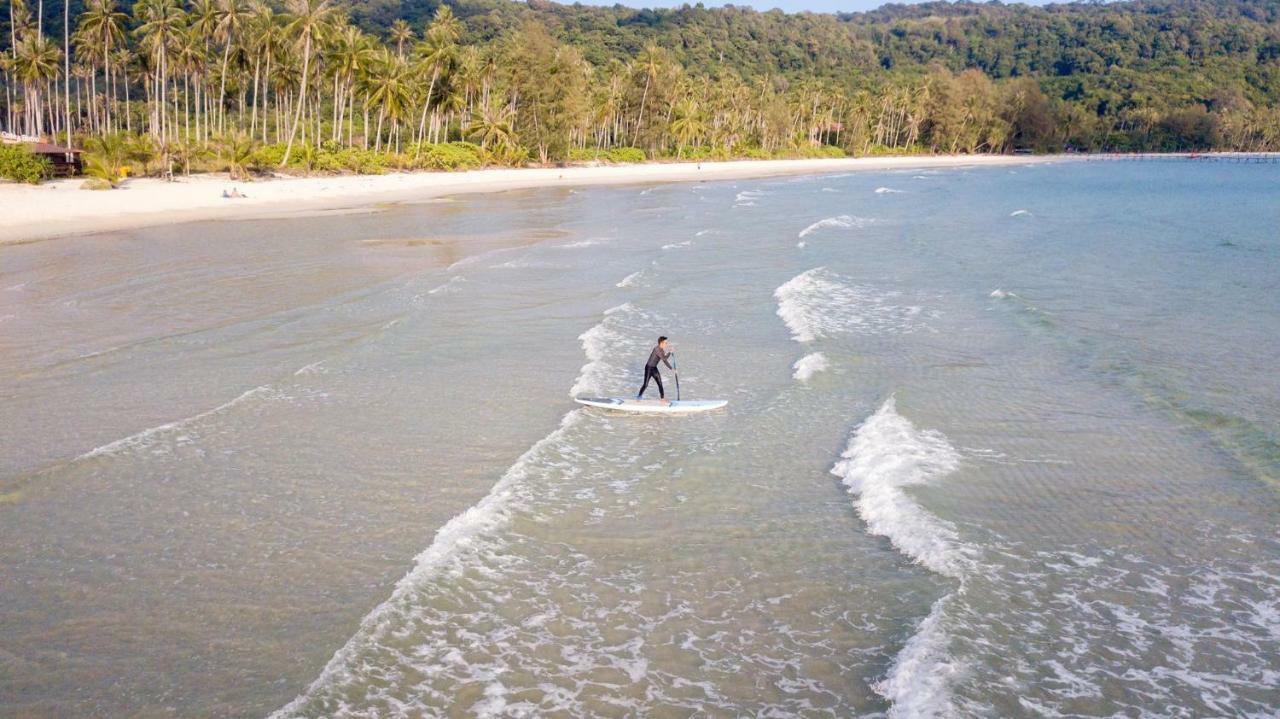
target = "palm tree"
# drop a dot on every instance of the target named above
(236, 151)
(650, 65)
(231, 17)
(492, 125)
(36, 66)
(350, 57)
(121, 59)
(203, 19)
(66, 66)
(310, 19)
(162, 25)
(687, 124)
(389, 91)
(437, 54)
(105, 157)
(400, 33)
(267, 46)
(102, 26)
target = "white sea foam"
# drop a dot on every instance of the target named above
(819, 303)
(1019, 213)
(630, 279)
(887, 191)
(490, 514)
(143, 438)
(313, 368)
(596, 343)
(578, 244)
(677, 245)
(886, 455)
(747, 198)
(707, 231)
(919, 682)
(842, 221)
(1000, 294)
(809, 365)
(450, 286)
(462, 536)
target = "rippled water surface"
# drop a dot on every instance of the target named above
(1000, 442)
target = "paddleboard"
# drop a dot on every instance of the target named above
(653, 406)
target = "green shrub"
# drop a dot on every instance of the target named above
(615, 155)
(269, 156)
(811, 152)
(622, 155)
(700, 154)
(20, 164)
(450, 156)
(584, 154)
(880, 150)
(105, 157)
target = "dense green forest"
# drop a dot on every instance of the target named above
(391, 82)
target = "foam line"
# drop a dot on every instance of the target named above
(490, 514)
(886, 455)
(809, 365)
(137, 440)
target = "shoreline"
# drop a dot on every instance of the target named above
(41, 212)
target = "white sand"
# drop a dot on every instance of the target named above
(61, 208)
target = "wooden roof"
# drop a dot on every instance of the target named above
(45, 148)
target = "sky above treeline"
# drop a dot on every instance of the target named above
(826, 6)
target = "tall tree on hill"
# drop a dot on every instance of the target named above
(436, 55)
(102, 26)
(232, 16)
(36, 66)
(310, 20)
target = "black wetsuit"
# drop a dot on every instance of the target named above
(651, 371)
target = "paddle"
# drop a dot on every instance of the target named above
(676, 371)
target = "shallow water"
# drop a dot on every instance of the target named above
(1000, 442)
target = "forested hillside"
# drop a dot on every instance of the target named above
(549, 81)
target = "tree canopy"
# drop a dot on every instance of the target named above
(548, 82)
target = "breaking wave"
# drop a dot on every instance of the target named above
(819, 303)
(809, 365)
(630, 279)
(596, 343)
(463, 542)
(143, 438)
(886, 455)
(841, 221)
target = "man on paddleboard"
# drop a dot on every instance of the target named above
(659, 354)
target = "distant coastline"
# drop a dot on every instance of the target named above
(61, 208)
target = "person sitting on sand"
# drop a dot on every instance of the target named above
(659, 354)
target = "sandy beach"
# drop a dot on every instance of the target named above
(61, 208)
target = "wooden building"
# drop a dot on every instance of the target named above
(66, 161)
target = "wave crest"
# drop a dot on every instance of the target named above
(819, 303)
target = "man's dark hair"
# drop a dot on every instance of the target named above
(662, 339)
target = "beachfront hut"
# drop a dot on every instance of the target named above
(66, 161)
